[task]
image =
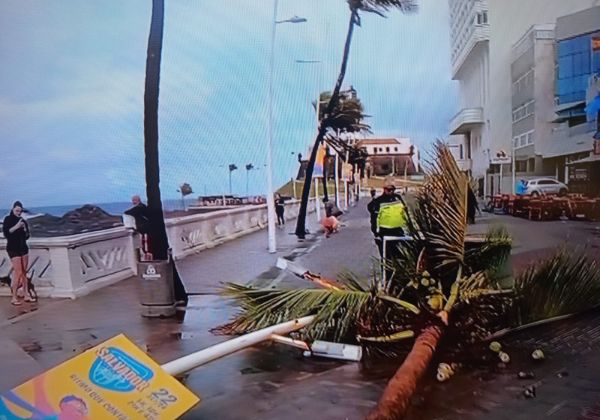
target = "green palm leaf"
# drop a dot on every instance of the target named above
(560, 285)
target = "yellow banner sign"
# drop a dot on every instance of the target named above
(114, 380)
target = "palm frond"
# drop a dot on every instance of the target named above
(560, 285)
(380, 7)
(491, 253)
(441, 213)
(336, 310)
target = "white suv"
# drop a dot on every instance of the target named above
(540, 186)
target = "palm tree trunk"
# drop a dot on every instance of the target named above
(301, 222)
(158, 234)
(400, 389)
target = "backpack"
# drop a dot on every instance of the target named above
(391, 216)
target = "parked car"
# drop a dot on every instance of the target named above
(540, 186)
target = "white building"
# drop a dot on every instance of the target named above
(483, 33)
(390, 156)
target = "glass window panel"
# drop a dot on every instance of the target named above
(577, 64)
(562, 48)
(585, 62)
(565, 67)
(596, 61)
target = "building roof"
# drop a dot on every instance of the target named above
(587, 160)
(404, 143)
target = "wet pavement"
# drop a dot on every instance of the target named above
(274, 382)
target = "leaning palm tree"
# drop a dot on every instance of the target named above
(347, 117)
(437, 286)
(158, 244)
(379, 7)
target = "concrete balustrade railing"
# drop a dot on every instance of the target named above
(191, 234)
(73, 266)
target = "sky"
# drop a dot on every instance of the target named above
(72, 86)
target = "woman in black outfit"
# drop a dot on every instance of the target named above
(279, 209)
(16, 232)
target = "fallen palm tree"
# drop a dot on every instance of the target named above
(441, 288)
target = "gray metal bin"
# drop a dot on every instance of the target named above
(157, 295)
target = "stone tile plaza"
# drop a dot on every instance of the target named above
(353, 209)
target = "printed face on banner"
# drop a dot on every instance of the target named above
(113, 380)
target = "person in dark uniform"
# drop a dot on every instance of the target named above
(280, 209)
(16, 232)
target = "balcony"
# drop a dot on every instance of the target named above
(466, 120)
(477, 34)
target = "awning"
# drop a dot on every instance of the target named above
(587, 160)
(567, 106)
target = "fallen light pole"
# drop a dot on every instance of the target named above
(202, 357)
(317, 348)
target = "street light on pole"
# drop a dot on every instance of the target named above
(270, 191)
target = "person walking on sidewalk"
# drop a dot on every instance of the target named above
(279, 209)
(16, 232)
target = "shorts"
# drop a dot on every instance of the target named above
(12, 253)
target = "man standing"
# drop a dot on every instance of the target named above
(139, 212)
(388, 214)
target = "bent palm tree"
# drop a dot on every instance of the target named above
(378, 7)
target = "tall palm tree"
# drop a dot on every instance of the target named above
(158, 243)
(379, 7)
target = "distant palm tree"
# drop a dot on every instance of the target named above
(378, 7)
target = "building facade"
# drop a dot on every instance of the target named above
(532, 103)
(577, 84)
(390, 156)
(484, 36)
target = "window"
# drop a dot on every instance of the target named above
(485, 16)
(521, 166)
(531, 165)
(387, 150)
(523, 111)
(395, 149)
(522, 140)
(530, 138)
(575, 62)
(375, 150)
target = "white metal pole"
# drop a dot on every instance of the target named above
(500, 186)
(514, 168)
(346, 182)
(202, 357)
(294, 187)
(337, 180)
(270, 192)
(317, 200)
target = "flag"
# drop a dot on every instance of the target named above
(319, 162)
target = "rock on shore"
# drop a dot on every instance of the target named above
(88, 218)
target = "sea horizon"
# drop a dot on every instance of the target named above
(114, 208)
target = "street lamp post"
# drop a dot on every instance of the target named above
(270, 190)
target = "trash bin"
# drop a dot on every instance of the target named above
(157, 295)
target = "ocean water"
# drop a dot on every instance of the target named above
(112, 208)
